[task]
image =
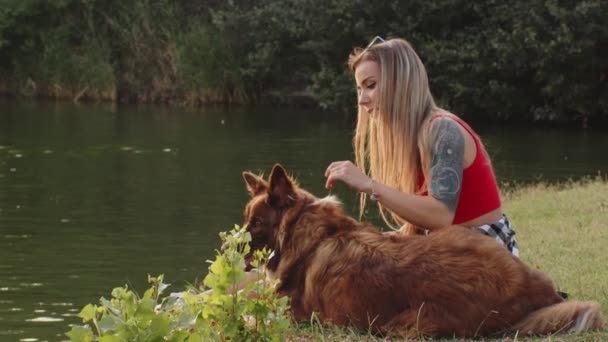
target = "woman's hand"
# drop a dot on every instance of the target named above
(421, 211)
(348, 173)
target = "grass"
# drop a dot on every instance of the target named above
(563, 231)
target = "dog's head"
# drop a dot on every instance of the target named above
(287, 219)
(270, 202)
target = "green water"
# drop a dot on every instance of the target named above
(93, 197)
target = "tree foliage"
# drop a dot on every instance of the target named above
(520, 60)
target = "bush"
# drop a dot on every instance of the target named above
(199, 313)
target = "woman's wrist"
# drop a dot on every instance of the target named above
(372, 190)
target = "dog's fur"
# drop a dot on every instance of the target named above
(454, 282)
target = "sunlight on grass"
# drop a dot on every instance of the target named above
(562, 231)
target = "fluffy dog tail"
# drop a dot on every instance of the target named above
(565, 317)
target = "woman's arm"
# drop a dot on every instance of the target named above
(434, 211)
(422, 211)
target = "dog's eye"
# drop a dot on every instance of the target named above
(255, 227)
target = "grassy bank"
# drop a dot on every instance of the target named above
(562, 230)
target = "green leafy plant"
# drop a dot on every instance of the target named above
(223, 309)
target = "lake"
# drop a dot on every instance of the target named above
(97, 196)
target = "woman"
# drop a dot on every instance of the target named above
(422, 164)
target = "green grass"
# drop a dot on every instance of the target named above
(561, 230)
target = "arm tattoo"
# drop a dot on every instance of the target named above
(447, 162)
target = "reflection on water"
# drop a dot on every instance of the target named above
(44, 319)
(92, 198)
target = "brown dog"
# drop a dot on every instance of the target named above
(455, 282)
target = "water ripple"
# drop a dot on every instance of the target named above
(6, 289)
(11, 332)
(31, 284)
(44, 319)
(62, 304)
(11, 236)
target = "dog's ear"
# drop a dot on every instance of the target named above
(255, 184)
(281, 189)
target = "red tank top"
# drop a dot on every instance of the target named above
(479, 194)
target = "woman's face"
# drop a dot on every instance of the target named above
(367, 76)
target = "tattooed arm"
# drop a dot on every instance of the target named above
(447, 162)
(448, 145)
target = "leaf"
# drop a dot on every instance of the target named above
(80, 333)
(195, 338)
(178, 336)
(110, 338)
(237, 275)
(149, 293)
(187, 320)
(218, 266)
(119, 292)
(159, 326)
(162, 287)
(171, 302)
(109, 323)
(88, 312)
(146, 308)
(108, 305)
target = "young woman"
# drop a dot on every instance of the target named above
(425, 167)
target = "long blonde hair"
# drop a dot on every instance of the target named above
(394, 147)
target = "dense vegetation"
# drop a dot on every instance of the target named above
(495, 60)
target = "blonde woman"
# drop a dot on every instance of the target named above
(425, 167)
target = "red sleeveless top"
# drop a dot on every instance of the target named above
(479, 192)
